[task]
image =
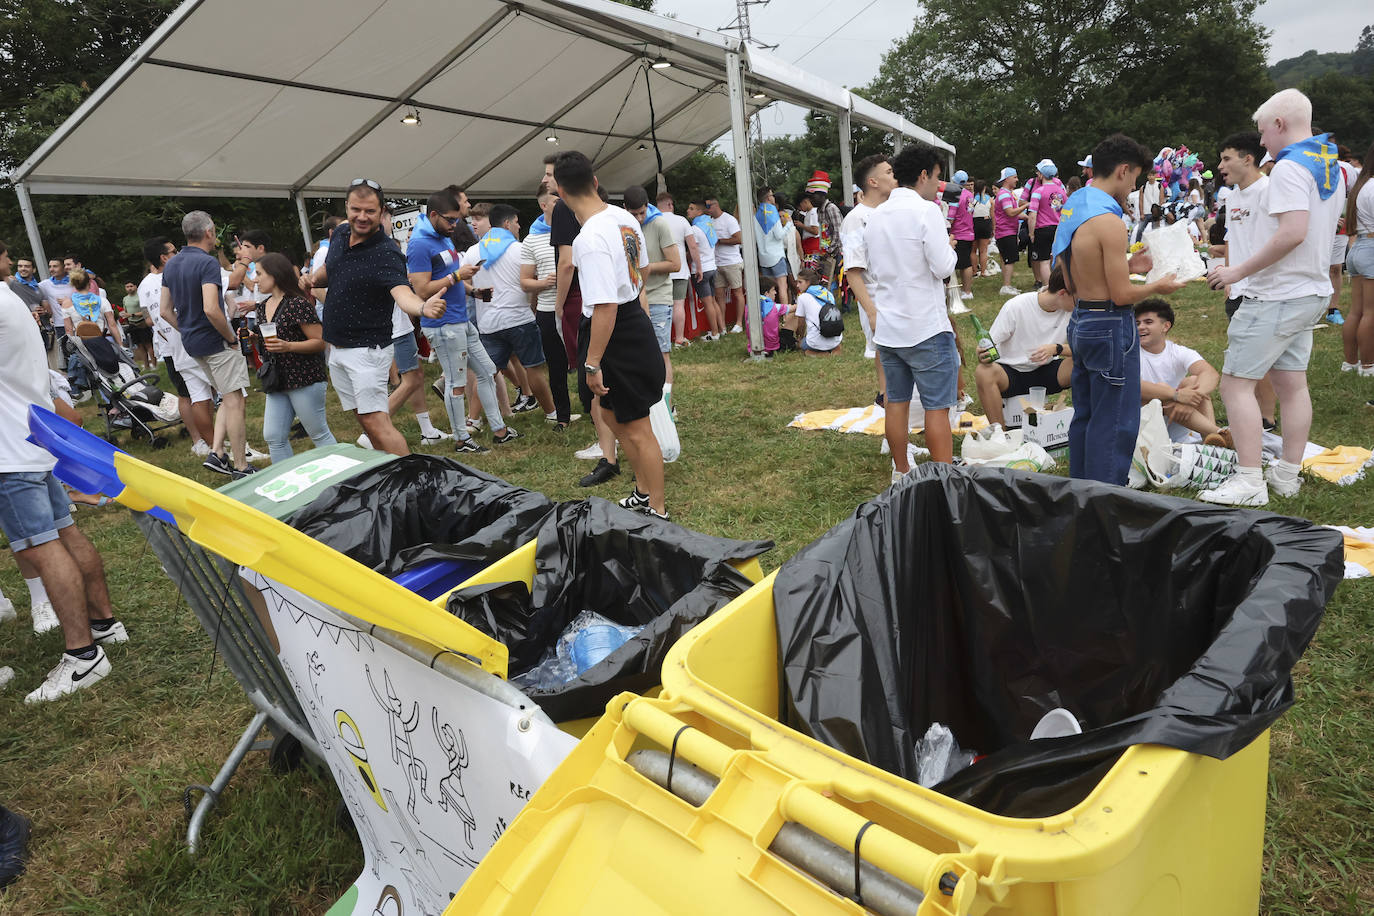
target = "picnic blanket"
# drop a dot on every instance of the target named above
(1342, 465)
(869, 421)
(1359, 551)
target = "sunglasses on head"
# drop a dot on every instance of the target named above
(367, 181)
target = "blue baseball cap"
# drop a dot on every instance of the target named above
(1007, 172)
(1047, 168)
(961, 176)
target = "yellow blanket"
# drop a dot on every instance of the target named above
(1342, 465)
(1359, 551)
(869, 420)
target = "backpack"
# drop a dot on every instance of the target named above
(830, 322)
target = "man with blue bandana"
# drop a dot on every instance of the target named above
(1271, 332)
(1091, 240)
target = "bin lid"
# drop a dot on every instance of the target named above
(280, 489)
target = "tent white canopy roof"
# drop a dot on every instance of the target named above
(235, 98)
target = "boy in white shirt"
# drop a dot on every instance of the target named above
(1031, 337)
(621, 363)
(1177, 376)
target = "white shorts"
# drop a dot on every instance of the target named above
(1339, 248)
(869, 351)
(360, 375)
(198, 386)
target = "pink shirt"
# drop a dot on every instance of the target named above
(961, 214)
(1046, 200)
(1003, 223)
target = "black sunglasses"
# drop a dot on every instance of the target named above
(367, 181)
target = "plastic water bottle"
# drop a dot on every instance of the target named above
(593, 643)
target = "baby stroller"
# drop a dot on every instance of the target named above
(127, 399)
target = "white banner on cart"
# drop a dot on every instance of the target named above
(432, 770)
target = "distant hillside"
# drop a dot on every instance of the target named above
(1293, 70)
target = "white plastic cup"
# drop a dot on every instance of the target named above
(1037, 398)
(269, 329)
(1057, 723)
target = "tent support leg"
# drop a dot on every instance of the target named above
(846, 158)
(208, 800)
(744, 194)
(898, 141)
(304, 216)
(40, 257)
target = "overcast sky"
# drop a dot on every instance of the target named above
(851, 57)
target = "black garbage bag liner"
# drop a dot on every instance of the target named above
(982, 599)
(420, 508)
(634, 570)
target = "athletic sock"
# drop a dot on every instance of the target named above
(37, 593)
(1252, 476)
(101, 626)
(426, 427)
(1287, 469)
(85, 654)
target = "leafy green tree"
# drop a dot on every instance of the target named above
(1344, 105)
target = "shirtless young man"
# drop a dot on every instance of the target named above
(1102, 333)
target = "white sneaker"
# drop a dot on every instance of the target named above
(7, 611)
(363, 441)
(439, 436)
(1283, 486)
(253, 455)
(966, 295)
(474, 425)
(1009, 291)
(201, 449)
(44, 617)
(115, 633)
(737, 330)
(70, 675)
(1366, 371)
(1349, 367)
(1234, 491)
(897, 476)
(590, 453)
(6, 675)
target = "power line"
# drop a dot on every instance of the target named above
(839, 29)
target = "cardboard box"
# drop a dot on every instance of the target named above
(1048, 428)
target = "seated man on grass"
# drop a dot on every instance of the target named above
(1031, 337)
(1177, 376)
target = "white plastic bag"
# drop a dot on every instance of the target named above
(1172, 252)
(1153, 461)
(990, 442)
(665, 431)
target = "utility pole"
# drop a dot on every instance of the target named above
(740, 24)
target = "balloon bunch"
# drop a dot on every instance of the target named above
(1176, 169)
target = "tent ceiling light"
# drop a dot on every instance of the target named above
(760, 94)
(661, 63)
(411, 117)
(552, 137)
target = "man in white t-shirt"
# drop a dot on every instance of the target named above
(690, 268)
(1272, 329)
(35, 514)
(620, 360)
(1176, 376)
(704, 232)
(194, 394)
(1031, 337)
(729, 263)
(876, 182)
(539, 279)
(909, 259)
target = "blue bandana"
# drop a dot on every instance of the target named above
(821, 293)
(541, 226)
(494, 244)
(651, 214)
(1320, 158)
(766, 306)
(1082, 205)
(31, 282)
(703, 222)
(87, 306)
(767, 216)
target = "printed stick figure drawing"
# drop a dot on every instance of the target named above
(402, 749)
(451, 786)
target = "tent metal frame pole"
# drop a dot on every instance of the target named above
(898, 141)
(744, 193)
(40, 257)
(304, 215)
(846, 157)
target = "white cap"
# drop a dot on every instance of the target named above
(1007, 172)
(1088, 162)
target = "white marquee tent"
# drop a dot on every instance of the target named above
(263, 98)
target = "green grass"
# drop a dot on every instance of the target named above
(101, 774)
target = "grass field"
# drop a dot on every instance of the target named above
(101, 774)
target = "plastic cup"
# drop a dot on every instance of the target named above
(1057, 723)
(1037, 398)
(592, 644)
(268, 329)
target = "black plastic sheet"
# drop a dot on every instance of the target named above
(982, 599)
(628, 567)
(423, 508)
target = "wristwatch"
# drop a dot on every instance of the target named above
(1058, 349)
(591, 370)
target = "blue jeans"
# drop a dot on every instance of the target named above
(284, 406)
(458, 347)
(1106, 394)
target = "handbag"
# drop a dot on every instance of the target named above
(269, 375)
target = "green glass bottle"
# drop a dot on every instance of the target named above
(984, 339)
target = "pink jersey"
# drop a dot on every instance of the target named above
(961, 215)
(1003, 223)
(1046, 200)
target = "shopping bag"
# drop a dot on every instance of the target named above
(665, 431)
(1153, 460)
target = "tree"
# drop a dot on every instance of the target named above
(1012, 81)
(1343, 105)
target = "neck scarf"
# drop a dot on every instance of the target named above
(1319, 157)
(703, 222)
(494, 244)
(1082, 205)
(767, 216)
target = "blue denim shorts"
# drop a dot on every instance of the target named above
(523, 340)
(406, 352)
(33, 508)
(661, 317)
(1359, 261)
(931, 367)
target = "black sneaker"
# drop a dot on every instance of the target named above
(218, 463)
(510, 436)
(661, 516)
(470, 446)
(240, 473)
(525, 403)
(603, 472)
(636, 501)
(14, 842)
(1268, 425)
(879, 400)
